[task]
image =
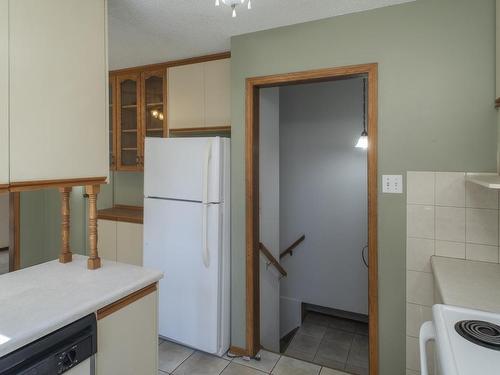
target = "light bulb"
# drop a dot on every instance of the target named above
(363, 141)
(217, 3)
(234, 12)
(249, 4)
(160, 116)
(154, 113)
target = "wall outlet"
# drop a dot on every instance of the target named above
(392, 183)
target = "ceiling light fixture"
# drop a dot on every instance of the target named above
(233, 4)
(363, 139)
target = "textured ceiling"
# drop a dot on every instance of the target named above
(150, 31)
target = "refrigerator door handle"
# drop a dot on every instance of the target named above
(206, 166)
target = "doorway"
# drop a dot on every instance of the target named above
(253, 236)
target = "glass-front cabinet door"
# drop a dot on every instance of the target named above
(154, 104)
(129, 140)
(112, 122)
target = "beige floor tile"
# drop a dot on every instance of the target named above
(267, 361)
(171, 355)
(236, 369)
(201, 364)
(290, 366)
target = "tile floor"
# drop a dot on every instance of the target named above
(337, 343)
(178, 360)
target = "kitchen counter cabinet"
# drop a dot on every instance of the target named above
(127, 339)
(466, 283)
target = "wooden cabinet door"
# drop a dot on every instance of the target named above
(186, 96)
(128, 116)
(57, 90)
(106, 239)
(129, 243)
(112, 122)
(218, 93)
(127, 339)
(4, 93)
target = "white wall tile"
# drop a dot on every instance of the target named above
(419, 288)
(450, 224)
(450, 189)
(412, 354)
(418, 254)
(415, 316)
(450, 249)
(482, 226)
(482, 253)
(420, 187)
(477, 196)
(420, 221)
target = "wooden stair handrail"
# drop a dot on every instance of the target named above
(272, 260)
(290, 248)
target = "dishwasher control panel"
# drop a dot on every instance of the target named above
(73, 355)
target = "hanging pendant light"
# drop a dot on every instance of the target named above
(363, 139)
(233, 4)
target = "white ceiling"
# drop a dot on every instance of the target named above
(150, 31)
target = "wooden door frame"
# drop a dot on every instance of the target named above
(252, 194)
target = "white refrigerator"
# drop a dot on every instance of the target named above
(186, 235)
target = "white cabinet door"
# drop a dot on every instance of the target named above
(106, 239)
(4, 92)
(58, 75)
(129, 243)
(218, 93)
(127, 340)
(186, 96)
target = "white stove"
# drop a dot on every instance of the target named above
(467, 341)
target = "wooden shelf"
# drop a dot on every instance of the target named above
(215, 129)
(129, 131)
(154, 104)
(488, 180)
(129, 149)
(129, 106)
(154, 130)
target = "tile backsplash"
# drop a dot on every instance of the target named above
(446, 216)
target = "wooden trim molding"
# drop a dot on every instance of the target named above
(225, 129)
(252, 194)
(65, 256)
(497, 103)
(94, 262)
(169, 64)
(46, 184)
(4, 188)
(237, 351)
(14, 231)
(127, 214)
(125, 301)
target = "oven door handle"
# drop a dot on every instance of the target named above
(427, 333)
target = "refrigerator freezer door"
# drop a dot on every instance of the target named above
(184, 168)
(190, 292)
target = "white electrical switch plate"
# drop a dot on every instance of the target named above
(392, 183)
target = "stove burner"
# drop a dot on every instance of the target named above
(479, 332)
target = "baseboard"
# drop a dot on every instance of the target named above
(335, 312)
(235, 350)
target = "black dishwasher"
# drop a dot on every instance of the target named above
(55, 353)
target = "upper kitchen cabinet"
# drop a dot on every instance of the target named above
(218, 93)
(4, 94)
(58, 86)
(154, 104)
(186, 96)
(199, 95)
(128, 119)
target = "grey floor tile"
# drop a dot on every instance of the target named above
(290, 366)
(358, 355)
(340, 337)
(362, 329)
(318, 319)
(267, 361)
(329, 371)
(300, 355)
(171, 355)
(312, 329)
(201, 364)
(236, 369)
(332, 354)
(343, 324)
(356, 370)
(162, 372)
(304, 344)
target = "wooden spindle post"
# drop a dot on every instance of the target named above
(94, 261)
(65, 256)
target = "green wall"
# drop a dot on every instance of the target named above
(436, 92)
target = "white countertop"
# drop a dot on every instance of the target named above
(38, 300)
(466, 283)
